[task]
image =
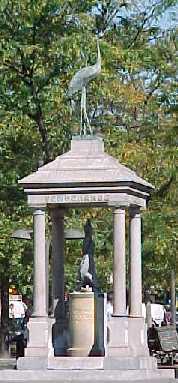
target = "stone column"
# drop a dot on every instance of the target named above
(137, 330)
(57, 322)
(119, 268)
(57, 216)
(39, 277)
(47, 249)
(118, 324)
(38, 323)
(135, 263)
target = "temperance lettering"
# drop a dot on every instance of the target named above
(77, 198)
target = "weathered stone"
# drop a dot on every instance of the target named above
(86, 175)
(81, 323)
(88, 375)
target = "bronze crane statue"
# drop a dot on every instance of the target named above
(79, 82)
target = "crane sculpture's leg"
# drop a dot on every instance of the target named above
(84, 121)
(85, 112)
(81, 115)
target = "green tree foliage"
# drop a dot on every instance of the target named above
(132, 104)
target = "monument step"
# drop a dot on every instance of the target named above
(87, 363)
(87, 376)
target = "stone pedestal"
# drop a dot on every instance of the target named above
(118, 336)
(127, 336)
(38, 337)
(138, 336)
(36, 353)
(81, 323)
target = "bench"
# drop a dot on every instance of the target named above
(163, 343)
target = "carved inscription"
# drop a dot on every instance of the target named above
(77, 198)
(84, 315)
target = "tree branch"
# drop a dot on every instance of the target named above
(140, 28)
(164, 188)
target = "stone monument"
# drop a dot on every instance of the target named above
(83, 177)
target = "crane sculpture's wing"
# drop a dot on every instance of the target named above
(84, 75)
(77, 82)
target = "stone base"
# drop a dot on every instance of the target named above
(100, 363)
(38, 337)
(118, 337)
(84, 369)
(76, 363)
(137, 331)
(85, 363)
(32, 363)
(88, 375)
(129, 363)
(100, 369)
(127, 337)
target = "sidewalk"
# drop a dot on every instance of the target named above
(80, 376)
(8, 374)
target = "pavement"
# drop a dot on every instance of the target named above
(8, 374)
(89, 381)
(5, 377)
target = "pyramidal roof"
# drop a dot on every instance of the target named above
(85, 163)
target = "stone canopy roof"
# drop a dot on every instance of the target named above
(86, 175)
(85, 163)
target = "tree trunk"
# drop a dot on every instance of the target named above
(173, 297)
(4, 317)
